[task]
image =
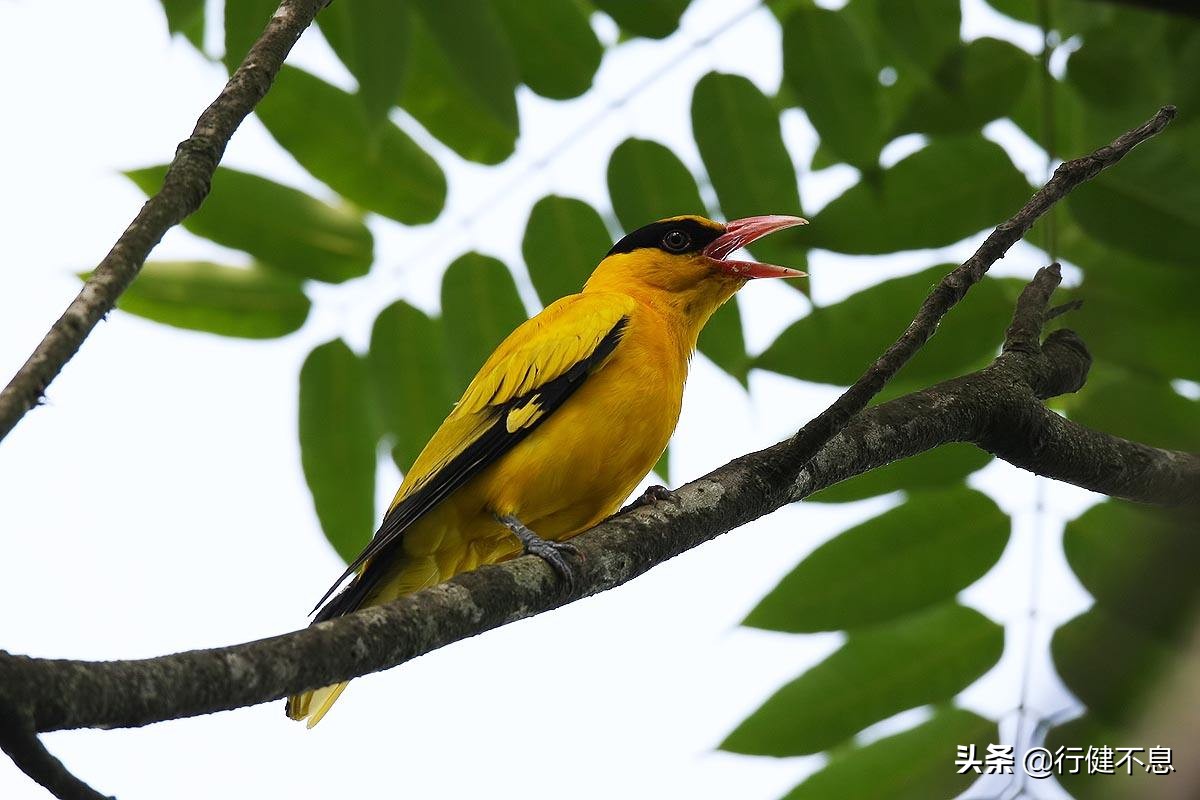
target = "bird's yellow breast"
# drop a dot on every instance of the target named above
(582, 462)
(578, 465)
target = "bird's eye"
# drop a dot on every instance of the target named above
(676, 241)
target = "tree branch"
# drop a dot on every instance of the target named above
(184, 188)
(21, 744)
(998, 408)
(955, 285)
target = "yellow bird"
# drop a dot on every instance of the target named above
(560, 425)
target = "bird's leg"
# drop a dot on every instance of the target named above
(652, 493)
(551, 552)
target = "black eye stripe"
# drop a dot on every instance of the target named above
(652, 235)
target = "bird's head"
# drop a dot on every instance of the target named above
(686, 259)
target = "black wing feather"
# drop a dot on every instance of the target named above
(493, 443)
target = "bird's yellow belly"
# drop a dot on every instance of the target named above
(572, 471)
(584, 461)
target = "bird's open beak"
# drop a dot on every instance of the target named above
(741, 232)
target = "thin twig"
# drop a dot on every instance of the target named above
(1058, 311)
(184, 188)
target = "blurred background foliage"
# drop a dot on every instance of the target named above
(863, 75)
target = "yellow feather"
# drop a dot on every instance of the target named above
(524, 416)
(322, 700)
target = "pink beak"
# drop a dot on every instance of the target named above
(741, 232)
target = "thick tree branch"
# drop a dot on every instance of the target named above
(998, 408)
(184, 188)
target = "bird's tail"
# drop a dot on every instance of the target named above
(314, 705)
(414, 574)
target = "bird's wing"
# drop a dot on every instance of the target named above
(529, 376)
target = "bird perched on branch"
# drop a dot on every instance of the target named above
(560, 424)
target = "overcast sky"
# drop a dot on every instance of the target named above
(156, 502)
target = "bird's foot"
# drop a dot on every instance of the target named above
(553, 553)
(652, 494)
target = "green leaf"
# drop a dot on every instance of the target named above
(565, 239)
(556, 49)
(738, 133)
(1133, 660)
(663, 468)
(248, 302)
(1107, 71)
(925, 658)
(1123, 66)
(371, 39)
(1082, 733)
(1154, 302)
(411, 377)
(473, 40)
(655, 19)
(945, 192)
(833, 73)
(337, 445)
(1068, 18)
(905, 559)
(973, 86)
(913, 765)
(380, 168)
(480, 307)
(438, 97)
(723, 341)
(1073, 123)
(278, 225)
(864, 324)
(1141, 409)
(648, 182)
(1022, 10)
(923, 31)
(1184, 88)
(1114, 546)
(823, 158)
(186, 17)
(245, 21)
(1148, 205)
(932, 469)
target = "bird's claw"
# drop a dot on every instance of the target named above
(652, 494)
(554, 554)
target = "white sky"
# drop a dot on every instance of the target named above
(157, 504)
